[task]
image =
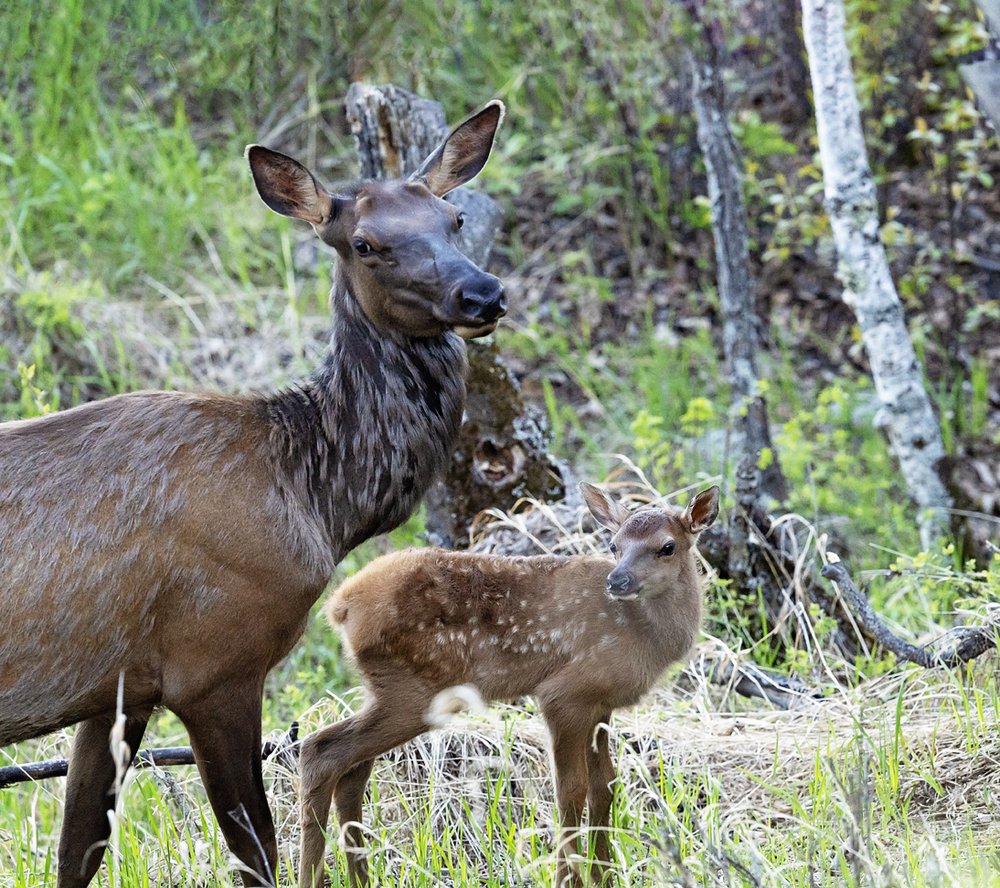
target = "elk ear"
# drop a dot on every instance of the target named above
(464, 153)
(703, 510)
(607, 512)
(287, 187)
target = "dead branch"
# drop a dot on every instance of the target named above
(742, 324)
(751, 680)
(969, 642)
(285, 749)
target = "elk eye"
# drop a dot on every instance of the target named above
(668, 549)
(460, 220)
(361, 246)
(614, 549)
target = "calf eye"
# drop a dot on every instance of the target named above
(667, 549)
(460, 220)
(614, 549)
(362, 247)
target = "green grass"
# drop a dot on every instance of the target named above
(891, 785)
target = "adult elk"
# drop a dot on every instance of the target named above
(584, 634)
(174, 543)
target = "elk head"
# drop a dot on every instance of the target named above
(397, 240)
(652, 545)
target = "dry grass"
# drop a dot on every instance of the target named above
(730, 780)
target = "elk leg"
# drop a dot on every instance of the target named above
(600, 774)
(337, 761)
(225, 736)
(570, 735)
(349, 795)
(91, 792)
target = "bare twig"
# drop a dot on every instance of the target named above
(287, 747)
(751, 680)
(969, 642)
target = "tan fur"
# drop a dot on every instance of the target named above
(420, 621)
(171, 544)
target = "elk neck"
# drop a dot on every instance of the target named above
(359, 442)
(669, 622)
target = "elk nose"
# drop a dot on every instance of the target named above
(482, 299)
(622, 584)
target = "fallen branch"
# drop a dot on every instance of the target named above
(969, 642)
(287, 747)
(751, 680)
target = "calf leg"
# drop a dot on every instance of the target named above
(600, 774)
(570, 733)
(225, 735)
(349, 795)
(338, 760)
(91, 793)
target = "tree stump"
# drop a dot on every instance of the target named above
(502, 450)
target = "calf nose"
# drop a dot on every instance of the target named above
(621, 584)
(482, 299)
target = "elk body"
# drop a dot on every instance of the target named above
(584, 634)
(167, 547)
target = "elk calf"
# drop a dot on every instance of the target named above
(585, 634)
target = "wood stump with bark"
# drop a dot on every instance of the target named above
(502, 450)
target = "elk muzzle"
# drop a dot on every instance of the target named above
(480, 301)
(622, 585)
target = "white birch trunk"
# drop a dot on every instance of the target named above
(914, 433)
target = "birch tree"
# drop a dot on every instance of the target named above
(862, 267)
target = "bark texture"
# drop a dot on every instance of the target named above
(502, 449)
(912, 427)
(741, 322)
(983, 75)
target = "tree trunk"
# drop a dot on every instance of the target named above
(502, 449)
(914, 433)
(741, 323)
(792, 72)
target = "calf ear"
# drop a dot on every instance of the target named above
(464, 153)
(607, 512)
(703, 510)
(287, 187)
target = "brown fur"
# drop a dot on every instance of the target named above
(172, 544)
(421, 621)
